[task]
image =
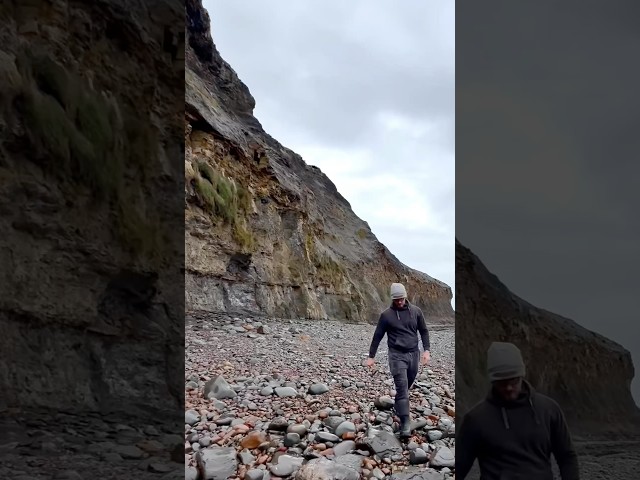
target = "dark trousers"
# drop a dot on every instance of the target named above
(404, 369)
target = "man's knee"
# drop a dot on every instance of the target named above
(397, 367)
(400, 373)
(401, 381)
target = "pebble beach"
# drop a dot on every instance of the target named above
(268, 398)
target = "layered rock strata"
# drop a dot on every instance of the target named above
(265, 232)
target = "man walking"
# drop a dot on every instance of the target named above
(401, 322)
(514, 431)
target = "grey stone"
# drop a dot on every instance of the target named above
(225, 419)
(254, 474)
(384, 402)
(351, 460)
(217, 463)
(291, 439)
(344, 448)
(324, 469)
(286, 465)
(190, 473)
(191, 417)
(318, 389)
(345, 427)
(279, 424)
(129, 452)
(418, 457)
(418, 473)
(297, 428)
(327, 437)
(246, 457)
(443, 457)
(377, 473)
(158, 467)
(382, 442)
(419, 423)
(219, 389)
(332, 422)
(286, 391)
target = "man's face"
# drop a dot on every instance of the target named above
(398, 302)
(508, 389)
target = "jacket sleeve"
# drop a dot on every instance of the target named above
(466, 447)
(562, 446)
(378, 335)
(424, 331)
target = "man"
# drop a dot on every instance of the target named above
(514, 431)
(401, 322)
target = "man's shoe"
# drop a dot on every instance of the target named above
(405, 428)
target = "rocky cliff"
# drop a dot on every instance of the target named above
(267, 234)
(91, 303)
(588, 374)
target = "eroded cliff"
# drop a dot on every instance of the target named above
(267, 234)
(91, 305)
(588, 374)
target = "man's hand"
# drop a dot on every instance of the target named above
(370, 362)
(426, 356)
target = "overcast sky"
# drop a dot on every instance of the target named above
(547, 178)
(364, 90)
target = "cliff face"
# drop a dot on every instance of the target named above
(267, 234)
(90, 131)
(588, 374)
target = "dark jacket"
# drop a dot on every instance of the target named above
(402, 327)
(515, 440)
